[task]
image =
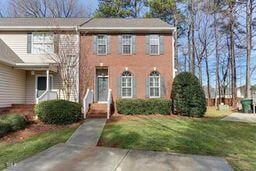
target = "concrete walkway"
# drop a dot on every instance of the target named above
(88, 134)
(65, 157)
(241, 117)
(80, 153)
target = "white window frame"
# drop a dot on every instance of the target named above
(153, 86)
(158, 43)
(42, 43)
(104, 44)
(127, 44)
(126, 86)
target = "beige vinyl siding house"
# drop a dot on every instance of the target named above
(24, 69)
(12, 86)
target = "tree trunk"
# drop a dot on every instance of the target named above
(192, 39)
(248, 47)
(217, 72)
(208, 77)
(175, 24)
(232, 53)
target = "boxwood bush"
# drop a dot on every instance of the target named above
(4, 128)
(59, 112)
(188, 95)
(15, 121)
(11, 122)
(143, 106)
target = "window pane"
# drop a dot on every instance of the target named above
(48, 38)
(126, 49)
(48, 48)
(157, 92)
(37, 48)
(102, 44)
(102, 40)
(123, 82)
(126, 92)
(151, 82)
(102, 49)
(38, 38)
(127, 44)
(156, 82)
(154, 49)
(42, 43)
(154, 39)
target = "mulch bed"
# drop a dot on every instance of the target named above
(34, 127)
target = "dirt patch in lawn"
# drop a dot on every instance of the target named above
(120, 117)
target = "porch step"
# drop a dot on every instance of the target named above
(97, 111)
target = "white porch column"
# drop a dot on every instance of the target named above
(47, 80)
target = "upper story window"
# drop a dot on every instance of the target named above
(126, 85)
(42, 43)
(102, 45)
(154, 41)
(154, 85)
(126, 44)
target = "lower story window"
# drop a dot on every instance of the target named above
(126, 85)
(154, 84)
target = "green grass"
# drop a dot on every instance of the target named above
(15, 152)
(234, 141)
(212, 112)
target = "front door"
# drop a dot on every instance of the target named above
(41, 85)
(102, 85)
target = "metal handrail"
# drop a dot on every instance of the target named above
(47, 95)
(88, 99)
(109, 103)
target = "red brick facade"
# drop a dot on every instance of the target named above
(139, 64)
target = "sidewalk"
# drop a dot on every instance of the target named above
(80, 153)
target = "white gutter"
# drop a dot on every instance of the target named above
(33, 28)
(79, 28)
(32, 65)
(158, 29)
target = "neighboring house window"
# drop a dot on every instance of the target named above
(154, 44)
(42, 43)
(102, 45)
(126, 85)
(126, 44)
(154, 85)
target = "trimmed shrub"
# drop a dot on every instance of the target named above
(143, 106)
(4, 128)
(59, 112)
(188, 95)
(15, 121)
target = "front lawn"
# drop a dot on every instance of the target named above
(10, 153)
(208, 136)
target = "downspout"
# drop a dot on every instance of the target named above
(78, 67)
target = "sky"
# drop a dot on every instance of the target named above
(90, 4)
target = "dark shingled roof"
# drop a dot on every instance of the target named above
(7, 55)
(126, 22)
(42, 21)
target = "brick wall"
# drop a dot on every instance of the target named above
(139, 64)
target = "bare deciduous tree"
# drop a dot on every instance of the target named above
(46, 8)
(66, 57)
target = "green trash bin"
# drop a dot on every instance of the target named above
(247, 105)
